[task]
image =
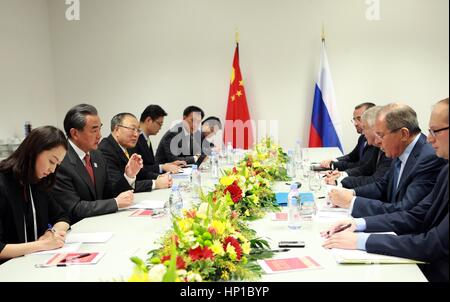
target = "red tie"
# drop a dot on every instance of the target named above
(87, 160)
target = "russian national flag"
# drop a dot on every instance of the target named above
(325, 130)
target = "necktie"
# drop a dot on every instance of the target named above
(398, 164)
(126, 154)
(191, 144)
(87, 161)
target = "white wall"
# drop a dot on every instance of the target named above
(26, 72)
(124, 55)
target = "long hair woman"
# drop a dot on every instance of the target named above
(30, 219)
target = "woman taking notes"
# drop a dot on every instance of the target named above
(30, 219)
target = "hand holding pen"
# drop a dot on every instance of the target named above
(338, 227)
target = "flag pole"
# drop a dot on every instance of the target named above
(236, 36)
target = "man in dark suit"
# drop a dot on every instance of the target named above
(83, 186)
(371, 170)
(152, 119)
(423, 231)
(117, 148)
(183, 141)
(412, 174)
(354, 158)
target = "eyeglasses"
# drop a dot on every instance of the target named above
(434, 132)
(392, 131)
(159, 123)
(137, 130)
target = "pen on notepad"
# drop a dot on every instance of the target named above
(69, 259)
(273, 251)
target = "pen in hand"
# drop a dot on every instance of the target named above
(51, 229)
(342, 228)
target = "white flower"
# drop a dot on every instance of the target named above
(156, 273)
(194, 277)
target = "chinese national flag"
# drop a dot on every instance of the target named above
(238, 127)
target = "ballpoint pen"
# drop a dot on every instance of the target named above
(64, 262)
(273, 251)
(340, 229)
(69, 259)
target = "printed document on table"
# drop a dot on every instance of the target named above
(67, 248)
(98, 237)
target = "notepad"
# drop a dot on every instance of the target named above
(74, 259)
(142, 213)
(271, 266)
(98, 237)
(186, 173)
(343, 256)
(148, 204)
(67, 248)
(282, 197)
(280, 216)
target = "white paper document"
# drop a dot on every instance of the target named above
(148, 204)
(186, 172)
(363, 257)
(67, 248)
(99, 237)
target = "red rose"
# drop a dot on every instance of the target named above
(234, 243)
(201, 253)
(235, 192)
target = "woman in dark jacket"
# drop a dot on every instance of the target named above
(30, 219)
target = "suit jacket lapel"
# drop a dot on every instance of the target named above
(17, 208)
(118, 150)
(79, 167)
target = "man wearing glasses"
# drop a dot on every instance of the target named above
(423, 231)
(152, 119)
(361, 153)
(117, 148)
(83, 185)
(412, 174)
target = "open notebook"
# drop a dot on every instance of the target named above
(362, 257)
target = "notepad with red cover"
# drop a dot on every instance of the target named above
(272, 266)
(142, 213)
(75, 258)
(280, 216)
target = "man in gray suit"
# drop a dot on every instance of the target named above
(83, 187)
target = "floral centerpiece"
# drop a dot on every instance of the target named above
(212, 242)
(209, 243)
(246, 191)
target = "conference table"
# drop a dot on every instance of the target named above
(135, 236)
